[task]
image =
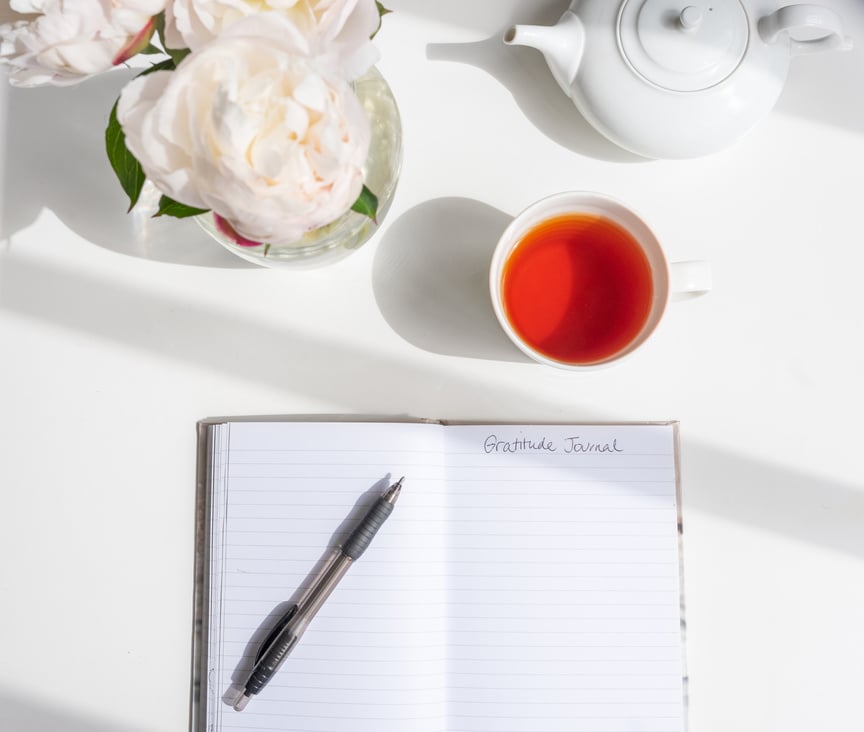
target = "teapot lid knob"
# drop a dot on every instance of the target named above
(690, 18)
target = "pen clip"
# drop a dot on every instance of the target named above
(277, 629)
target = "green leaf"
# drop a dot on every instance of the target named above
(382, 11)
(150, 49)
(125, 164)
(176, 54)
(170, 207)
(366, 204)
(160, 28)
(166, 65)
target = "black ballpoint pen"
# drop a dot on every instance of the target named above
(291, 626)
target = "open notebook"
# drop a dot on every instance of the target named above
(527, 581)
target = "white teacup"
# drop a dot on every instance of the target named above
(572, 302)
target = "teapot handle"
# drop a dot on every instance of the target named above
(813, 17)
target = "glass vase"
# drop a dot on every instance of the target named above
(341, 237)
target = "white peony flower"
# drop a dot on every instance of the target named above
(64, 41)
(253, 127)
(342, 27)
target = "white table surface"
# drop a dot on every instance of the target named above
(115, 341)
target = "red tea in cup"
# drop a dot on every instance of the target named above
(578, 288)
(578, 281)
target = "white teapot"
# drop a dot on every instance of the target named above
(678, 78)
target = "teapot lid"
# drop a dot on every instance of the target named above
(683, 45)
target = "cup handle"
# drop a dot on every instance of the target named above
(689, 279)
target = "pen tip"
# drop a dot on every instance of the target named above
(392, 493)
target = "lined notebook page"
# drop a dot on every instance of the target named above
(564, 609)
(374, 656)
(514, 588)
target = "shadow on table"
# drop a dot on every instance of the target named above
(431, 279)
(524, 72)
(752, 492)
(222, 340)
(55, 159)
(802, 507)
(817, 87)
(20, 715)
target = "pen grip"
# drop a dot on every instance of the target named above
(362, 536)
(271, 660)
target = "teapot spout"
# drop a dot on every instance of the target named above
(561, 45)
